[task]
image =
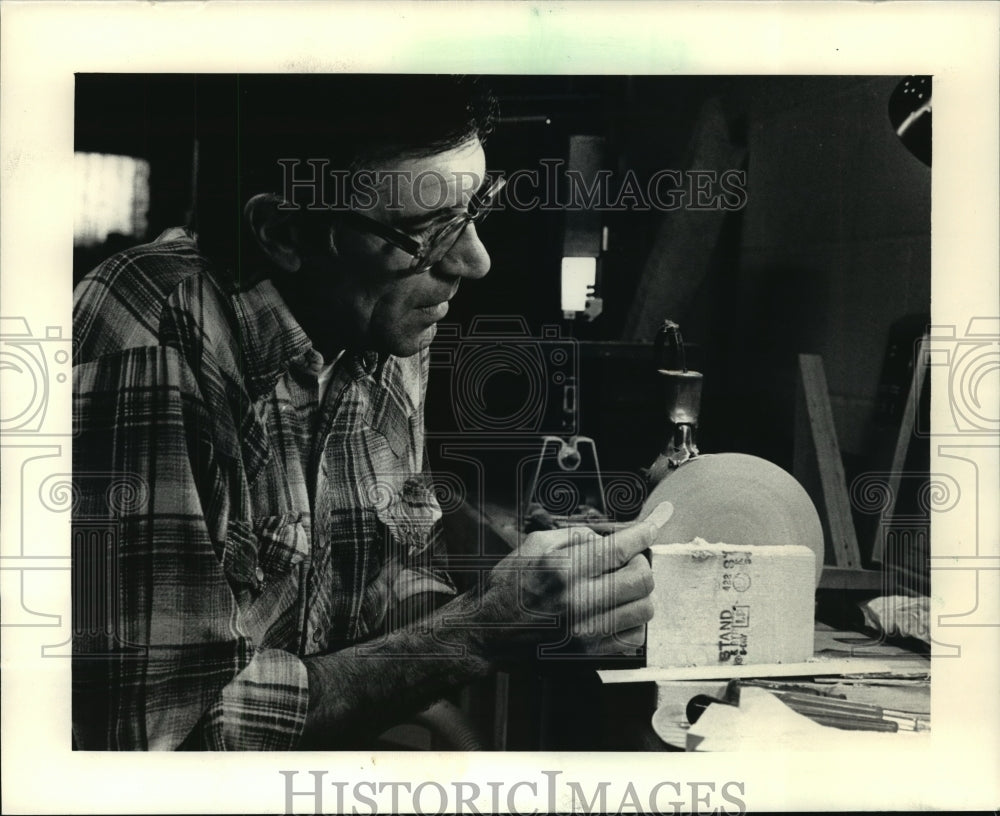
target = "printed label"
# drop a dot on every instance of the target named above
(732, 643)
(735, 578)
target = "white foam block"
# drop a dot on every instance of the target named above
(721, 604)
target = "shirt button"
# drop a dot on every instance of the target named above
(259, 574)
(317, 635)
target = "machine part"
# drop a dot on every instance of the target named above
(669, 348)
(680, 390)
(593, 309)
(734, 498)
(566, 485)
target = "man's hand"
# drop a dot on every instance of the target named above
(560, 584)
(572, 583)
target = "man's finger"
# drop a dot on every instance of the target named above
(595, 554)
(633, 581)
(626, 544)
(627, 642)
(661, 514)
(599, 593)
(608, 527)
(619, 619)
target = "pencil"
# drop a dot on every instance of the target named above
(854, 724)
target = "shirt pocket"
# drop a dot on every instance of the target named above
(410, 512)
(264, 562)
(283, 543)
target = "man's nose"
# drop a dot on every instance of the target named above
(468, 258)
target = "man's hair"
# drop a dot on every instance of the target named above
(255, 129)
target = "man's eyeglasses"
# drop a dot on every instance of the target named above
(430, 250)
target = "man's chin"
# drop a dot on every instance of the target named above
(414, 343)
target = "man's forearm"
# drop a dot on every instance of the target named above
(357, 693)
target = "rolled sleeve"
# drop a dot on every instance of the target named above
(425, 571)
(263, 708)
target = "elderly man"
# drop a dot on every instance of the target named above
(274, 579)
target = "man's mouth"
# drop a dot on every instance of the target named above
(435, 311)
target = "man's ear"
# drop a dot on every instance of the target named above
(281, 232)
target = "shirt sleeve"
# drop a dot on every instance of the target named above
(159, 658)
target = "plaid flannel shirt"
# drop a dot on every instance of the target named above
(226, 520)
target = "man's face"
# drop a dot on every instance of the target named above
(377, 300)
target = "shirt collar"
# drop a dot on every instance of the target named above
(270, 337)
(272, 341)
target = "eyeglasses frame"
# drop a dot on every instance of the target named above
(421, 249)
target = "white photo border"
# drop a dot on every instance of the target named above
(45, 43)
